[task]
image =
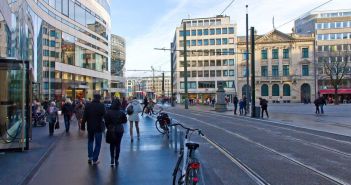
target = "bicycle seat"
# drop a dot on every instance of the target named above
(192, 146)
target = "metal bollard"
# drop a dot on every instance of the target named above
(175, 139)
(181, 139)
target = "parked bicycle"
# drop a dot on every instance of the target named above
(187, 168)
(162, 122)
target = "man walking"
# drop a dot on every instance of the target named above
(317, 103)
(93, 115)
(322, 102)
(264, 105)
(245, 103)
(145, 105)
(235, 101)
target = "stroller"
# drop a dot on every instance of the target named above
(39, 119)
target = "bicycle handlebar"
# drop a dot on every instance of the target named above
(187, 128)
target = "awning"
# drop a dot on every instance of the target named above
(332, 91)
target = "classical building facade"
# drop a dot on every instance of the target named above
(211, 45)
(284, 67)
(118, 60)
(67, 43)
(333, 43)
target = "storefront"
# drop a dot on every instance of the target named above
(14, 105)
(343, 94)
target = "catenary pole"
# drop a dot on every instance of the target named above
(247, 60)
(253, 111)
(185, 68)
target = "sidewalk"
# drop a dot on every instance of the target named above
(147, 161)
(337, 118)
(17, 167)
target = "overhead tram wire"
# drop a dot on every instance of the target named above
(230, 4)
(304, 13)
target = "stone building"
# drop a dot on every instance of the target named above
(284, 67)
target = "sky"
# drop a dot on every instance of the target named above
(149, 24)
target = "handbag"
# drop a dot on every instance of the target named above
(111, 134)
(57, 125)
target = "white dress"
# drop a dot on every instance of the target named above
(136, 110)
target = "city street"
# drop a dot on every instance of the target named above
(250, 151)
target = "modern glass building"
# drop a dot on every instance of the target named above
(67, 46)
(118, 60)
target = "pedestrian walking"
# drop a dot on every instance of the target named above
(67, 111)
(317, 103)
(235, 101)
(114, 120)
(52, 117)
(145, 105)
(264, 106)
(79, 111)
(124, 104)
(241, 106)
(322, 102)
(245, 103)
(133, 110)
(93, 116)
(213, 102)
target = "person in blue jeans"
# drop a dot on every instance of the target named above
(93, 116)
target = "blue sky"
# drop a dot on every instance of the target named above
(148, 24)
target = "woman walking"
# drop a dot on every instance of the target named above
(114, 118)
(79, 111)
(133, 110)
(52, 117)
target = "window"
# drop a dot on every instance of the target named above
(199, 42)
(275, 53)
(286, 90)
(65, 7)
(285, 70)
(193, 42)
(225, 41)
(224, 30)
(218, 73)
(193, 74)
(206, 73)
(181, 33)
(231, 30)
(46, 53)
(264, 90)
(200, 73)
(218, 63)
(206, 84)
(305, 71)
(275, 71)
(212, 31)
(52, 54)
(79, 15)
(193, 32)
(275, 90)
(225, 62)
(225, 72)
(231, 51)
(199, 32)
(188, 42)
(212, 63)
(193, 63)
(225, 52)
(52, 33)
(191, 85)
(206, 64)
(218, 31)
(231, 72)
(200, 63)
(304, 52)
(263, 54)
(212, 73)
(206, 42)
(231, 62)
(285, 53)
(218, 41)
(212, 42)
(264, 70)
(205, 31)
(244, 72)
(52, 43)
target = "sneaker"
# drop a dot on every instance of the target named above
(96, 162)
(90, 161)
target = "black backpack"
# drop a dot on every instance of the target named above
(130, 110)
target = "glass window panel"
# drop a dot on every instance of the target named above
(80, 14)
(286, 90)
(205, 31)
(65, 7)
(285, 53)
(193, 32)
(71, 9)
(275, 90)
(224, 30)
(231, 62)
(206, 42)
(264, 90)
(275, 71)
(212, 42)
(275, 53)
(212, 31)
(58, 5)
(199, 42)
(218, 31)
(193, 42)
(285, 70)
(263, 54)
(231, 30)
(225, 41)
(304, 52)
(264, 70)
(199, 32)
(218, 41)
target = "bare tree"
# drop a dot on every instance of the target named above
(335, 67)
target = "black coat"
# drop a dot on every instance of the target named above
(67, 109)
(93, 115)
(115, 118)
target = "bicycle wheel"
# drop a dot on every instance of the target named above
(177, 172)
(159, 127)
(191, 176)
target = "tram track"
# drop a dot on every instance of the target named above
(252, 174)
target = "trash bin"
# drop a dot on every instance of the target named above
(257, 112)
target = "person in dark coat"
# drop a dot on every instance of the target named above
(145, 105)
(264, 106)
(124, 104)
(235, 101)
(322, 102)
(93, 116)
(114, 118)
(67, 111)
(317, 103)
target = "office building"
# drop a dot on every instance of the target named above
(151, 86)
(332, 44)
(284, 67)
(118, 60)
(211, 45)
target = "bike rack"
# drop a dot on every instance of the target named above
(177, 137)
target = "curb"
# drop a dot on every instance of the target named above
(28, 177)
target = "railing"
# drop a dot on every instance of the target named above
(176, 136)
